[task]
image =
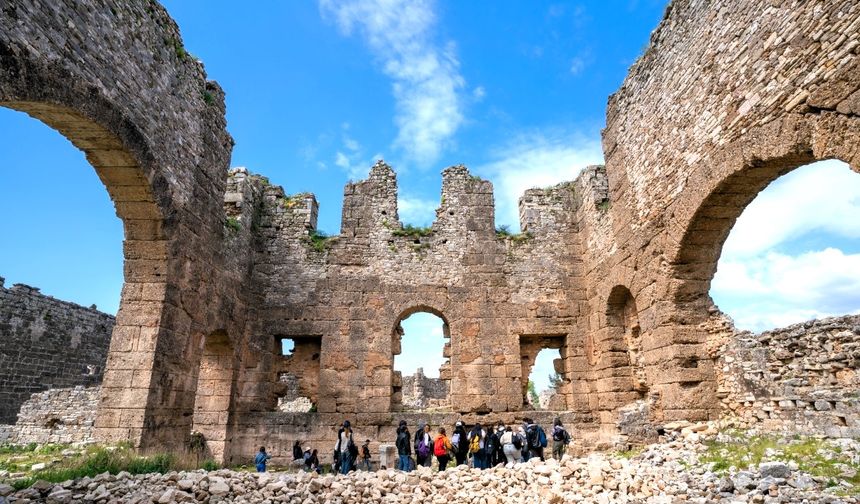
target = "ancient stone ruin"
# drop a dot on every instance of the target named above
(613, 269)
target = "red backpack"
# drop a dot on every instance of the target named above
(439, 447)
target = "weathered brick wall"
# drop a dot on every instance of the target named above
(58, 415)
(802, 378)
(114, 78)
(727, 97)
(422, 392)
(47, 343)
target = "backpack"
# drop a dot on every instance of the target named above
(517, 441)
(455, 441)
(475, 443)
(439, 447)
(423, 448)
(491, 443)
(365, 451)
(541, 435)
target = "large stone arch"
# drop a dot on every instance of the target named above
(153, 129)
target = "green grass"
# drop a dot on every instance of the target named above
(413, 231)
(208, 98)
(98, 460)
(318, 240)
(817, 457)
(233, 224)
(503, 232)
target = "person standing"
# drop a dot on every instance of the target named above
(424, 446)
(524, 445)
(297, 451)
(536, 438)
(442, 449)
(404, 447)
(560, 439)
(261, 459)
(365, 455)
(346, 449)
(477, 438)
(509, 441)
(461, 443)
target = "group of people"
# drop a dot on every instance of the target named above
(483, 447)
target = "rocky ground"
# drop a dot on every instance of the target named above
(694, 464)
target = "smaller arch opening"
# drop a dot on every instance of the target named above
(545, 378)
(421, 365)
(625, 337)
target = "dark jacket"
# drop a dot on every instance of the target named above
(404, 446)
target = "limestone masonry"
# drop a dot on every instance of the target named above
(612, 269)
(47, 343)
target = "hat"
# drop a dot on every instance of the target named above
(458, 424)
(307, 448)
(501, 428)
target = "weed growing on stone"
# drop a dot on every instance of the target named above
(504, 232)
(413, 231)
(208, 98)
(233, 224)
(318, 240)
(604, 205)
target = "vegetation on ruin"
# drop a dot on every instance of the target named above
(207, 97)
(233, 224)
(63, 462)
(604, 205)
(504, 232)
(736, 450)
(318, 240)
(533, 395)
(294, 200)
(412, 231)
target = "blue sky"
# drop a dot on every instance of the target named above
(317, 91)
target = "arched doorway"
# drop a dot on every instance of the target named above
(794, 252)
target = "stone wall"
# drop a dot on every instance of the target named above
(47, 344)
(802, 378)
(58, 415)
(422, 392)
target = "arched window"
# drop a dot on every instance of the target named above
(421, 364)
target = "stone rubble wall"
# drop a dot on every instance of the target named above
(47, 344)
(802, 378)
(59, 415)
(422, 392)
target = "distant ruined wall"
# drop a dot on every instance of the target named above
(47, 344)
(420, 391)
(802, 378)
(58, 415)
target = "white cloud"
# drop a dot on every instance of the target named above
(823, 196)
(577, 64)
(760, 283)
(421, 345)
(479, 93)
(341, 160)
(427, 85)
(537, 160)
(775, 290)
(416, 211)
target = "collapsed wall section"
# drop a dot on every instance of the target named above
(47, 344)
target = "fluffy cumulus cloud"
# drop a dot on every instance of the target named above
(426, 80)
(421, 346)
(536, 160)
(775, 269)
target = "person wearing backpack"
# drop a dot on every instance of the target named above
(424, 446)
(442, 448)
(536, 437)
(560, 439)
(460, 442)
(476, 447)
(511, 446)
(404, 447)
